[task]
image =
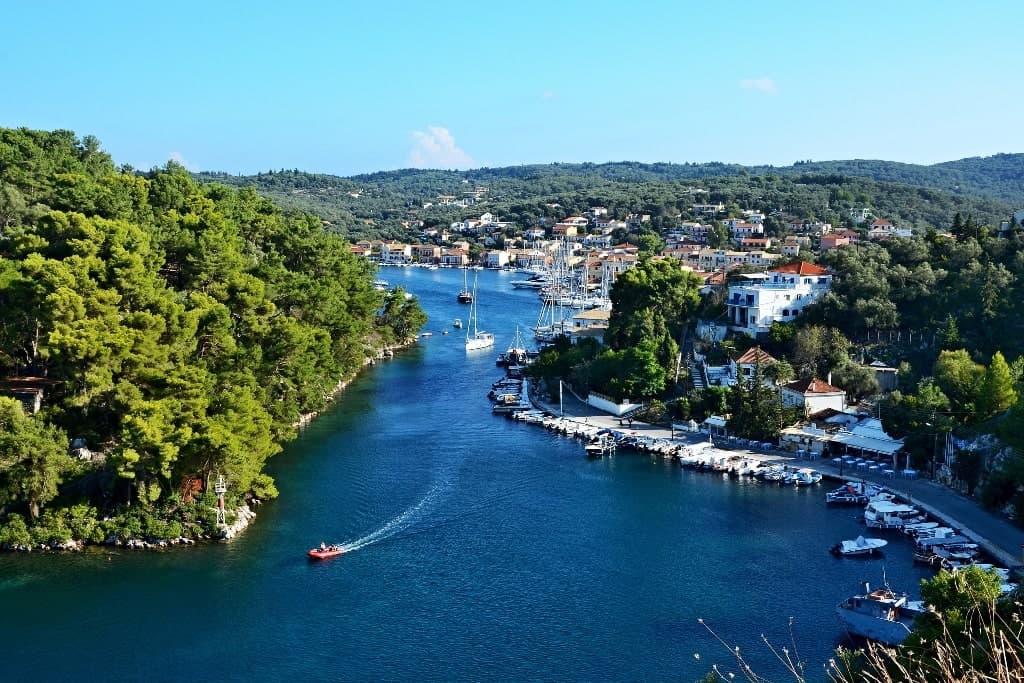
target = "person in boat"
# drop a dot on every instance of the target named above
(322, 546)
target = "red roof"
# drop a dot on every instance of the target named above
(801, 268)
(755, 355)
(813, 386)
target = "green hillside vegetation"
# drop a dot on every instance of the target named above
(376, 205)
(179, 329)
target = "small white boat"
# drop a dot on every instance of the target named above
(457, 323)
(427, 334)
(806, 476)
(859, 546)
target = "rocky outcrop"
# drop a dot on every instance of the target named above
(245, 516)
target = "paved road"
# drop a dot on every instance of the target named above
(1003, 540)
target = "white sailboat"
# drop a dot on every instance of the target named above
(476, 339)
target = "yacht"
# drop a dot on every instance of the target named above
(465, 296)
(882, 615)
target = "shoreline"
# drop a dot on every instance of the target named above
(245, 515)
(922, 493)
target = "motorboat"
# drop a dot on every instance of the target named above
(600, 445)
(457, 323)
(881, 615)
(853, 493)
(859, 547)
(806, 476)
(885, 514)
(325, 552)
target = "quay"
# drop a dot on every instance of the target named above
(1000, 538)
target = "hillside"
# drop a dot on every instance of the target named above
(375, 205)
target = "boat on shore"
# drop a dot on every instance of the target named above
(601, 445)
(859, 547)
(325, 552)
(881, 615)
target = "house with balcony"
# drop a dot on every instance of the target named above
(395, 253)
(426, 253)
(752, 307)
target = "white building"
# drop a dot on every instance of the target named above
(394, 252)
(813, 395)
(753, 307)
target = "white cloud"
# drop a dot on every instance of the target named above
(765, 85)
(177, 157)
(436, 148)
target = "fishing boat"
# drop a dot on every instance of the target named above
(465, 296)
(475, 338)
(325, 552)
(881, 614)
(861, 546)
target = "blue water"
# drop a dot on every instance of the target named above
(491, 550)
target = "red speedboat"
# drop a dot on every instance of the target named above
(325, 552)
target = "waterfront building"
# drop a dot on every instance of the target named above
(813, 395)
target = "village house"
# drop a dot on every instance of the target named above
(830, 242)
(635, 220)
(813, 395)
(746, 365)
(859, 216)
(589, 323)
(426, 253)
(495, 259)
(752, 307)
(596, 212)
(360, 251)
(883, 229)
(29, 391)
(755, 243)
(561, 230)
(395, 253)
(598, 241)
(707, 209)
(740, 229)
(615, 264)
(851, 235)
(456, 258)
(792, 245)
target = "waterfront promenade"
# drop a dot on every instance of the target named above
(999, 537)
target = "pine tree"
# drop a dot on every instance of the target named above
(997, 392)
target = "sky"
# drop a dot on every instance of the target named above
(354, 87)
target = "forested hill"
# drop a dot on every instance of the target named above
(377, 204)
(175, 330)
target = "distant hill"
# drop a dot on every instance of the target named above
(1000, 176)
(376, 204)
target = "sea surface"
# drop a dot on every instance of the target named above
(486, 550)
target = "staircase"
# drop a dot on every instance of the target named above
(696, 373)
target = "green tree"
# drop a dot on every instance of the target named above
(997, 391)
(33, 458)
(959, 378)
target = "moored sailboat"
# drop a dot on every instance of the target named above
(476, 339)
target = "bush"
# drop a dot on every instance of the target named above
(15, 532)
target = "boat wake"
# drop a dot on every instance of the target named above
(399, 523)
(411, 522)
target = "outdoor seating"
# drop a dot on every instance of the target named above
(910, 474)
(889, 473)
(874, 468)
